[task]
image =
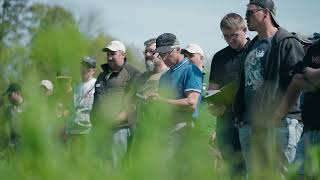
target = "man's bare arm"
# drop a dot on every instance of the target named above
(190, 102)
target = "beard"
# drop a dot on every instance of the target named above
(149, 65)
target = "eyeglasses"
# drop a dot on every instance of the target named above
(148, 52)
(231, 36)
(249, 12)
(163, 55)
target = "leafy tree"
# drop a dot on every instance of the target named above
(12, 23)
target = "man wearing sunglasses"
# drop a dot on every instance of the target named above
(265, 75)
(179, 87)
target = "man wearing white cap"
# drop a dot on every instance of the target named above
(111, 98)
(195, 55)
(47, 86)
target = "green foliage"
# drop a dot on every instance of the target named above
(58, 47)
(44, 156)
(56, 42)
(12, 21)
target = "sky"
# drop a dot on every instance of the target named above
(192, 21)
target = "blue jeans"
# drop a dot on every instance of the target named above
(309, 138)
(286, 136)
(119, 145)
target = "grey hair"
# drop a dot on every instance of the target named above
(149, 42)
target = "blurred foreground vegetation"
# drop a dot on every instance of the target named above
(37, 40)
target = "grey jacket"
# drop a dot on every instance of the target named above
(284, 53)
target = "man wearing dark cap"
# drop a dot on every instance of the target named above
(265, 76)
(13, 114)
(307, 80)
(83, 99)
(180, 87)
(307, 40)
(111, 99)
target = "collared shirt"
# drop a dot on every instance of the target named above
(177, 81)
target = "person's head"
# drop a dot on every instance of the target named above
(261, 13)
(149, 54)
(88, 68)
(306, 39)
(115, 54)
(234, 30)
(14, 93)
(195, 54)
(47, 87)
(168, 48)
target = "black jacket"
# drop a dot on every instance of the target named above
(111, 91)
(311, 102)
(285, 51)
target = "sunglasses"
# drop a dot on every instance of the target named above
(163, 55)
(249, 12)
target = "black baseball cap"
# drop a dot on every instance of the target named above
(166, 42)
(13, 87)
(267, 4)
(91, 61)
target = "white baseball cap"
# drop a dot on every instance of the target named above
(115, 46)
(193, 49)
(47, 84)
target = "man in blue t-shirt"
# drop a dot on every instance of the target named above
(179, 91)
(180, 87)
(177, 97)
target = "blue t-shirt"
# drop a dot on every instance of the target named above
(178, 80)
(181, 78)
(254, 72)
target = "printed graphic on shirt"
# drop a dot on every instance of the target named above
(254, 69)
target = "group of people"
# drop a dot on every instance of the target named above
(264, 126)
(265, 122)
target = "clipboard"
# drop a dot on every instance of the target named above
(223, 96)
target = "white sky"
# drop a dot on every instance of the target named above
(192, 21)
